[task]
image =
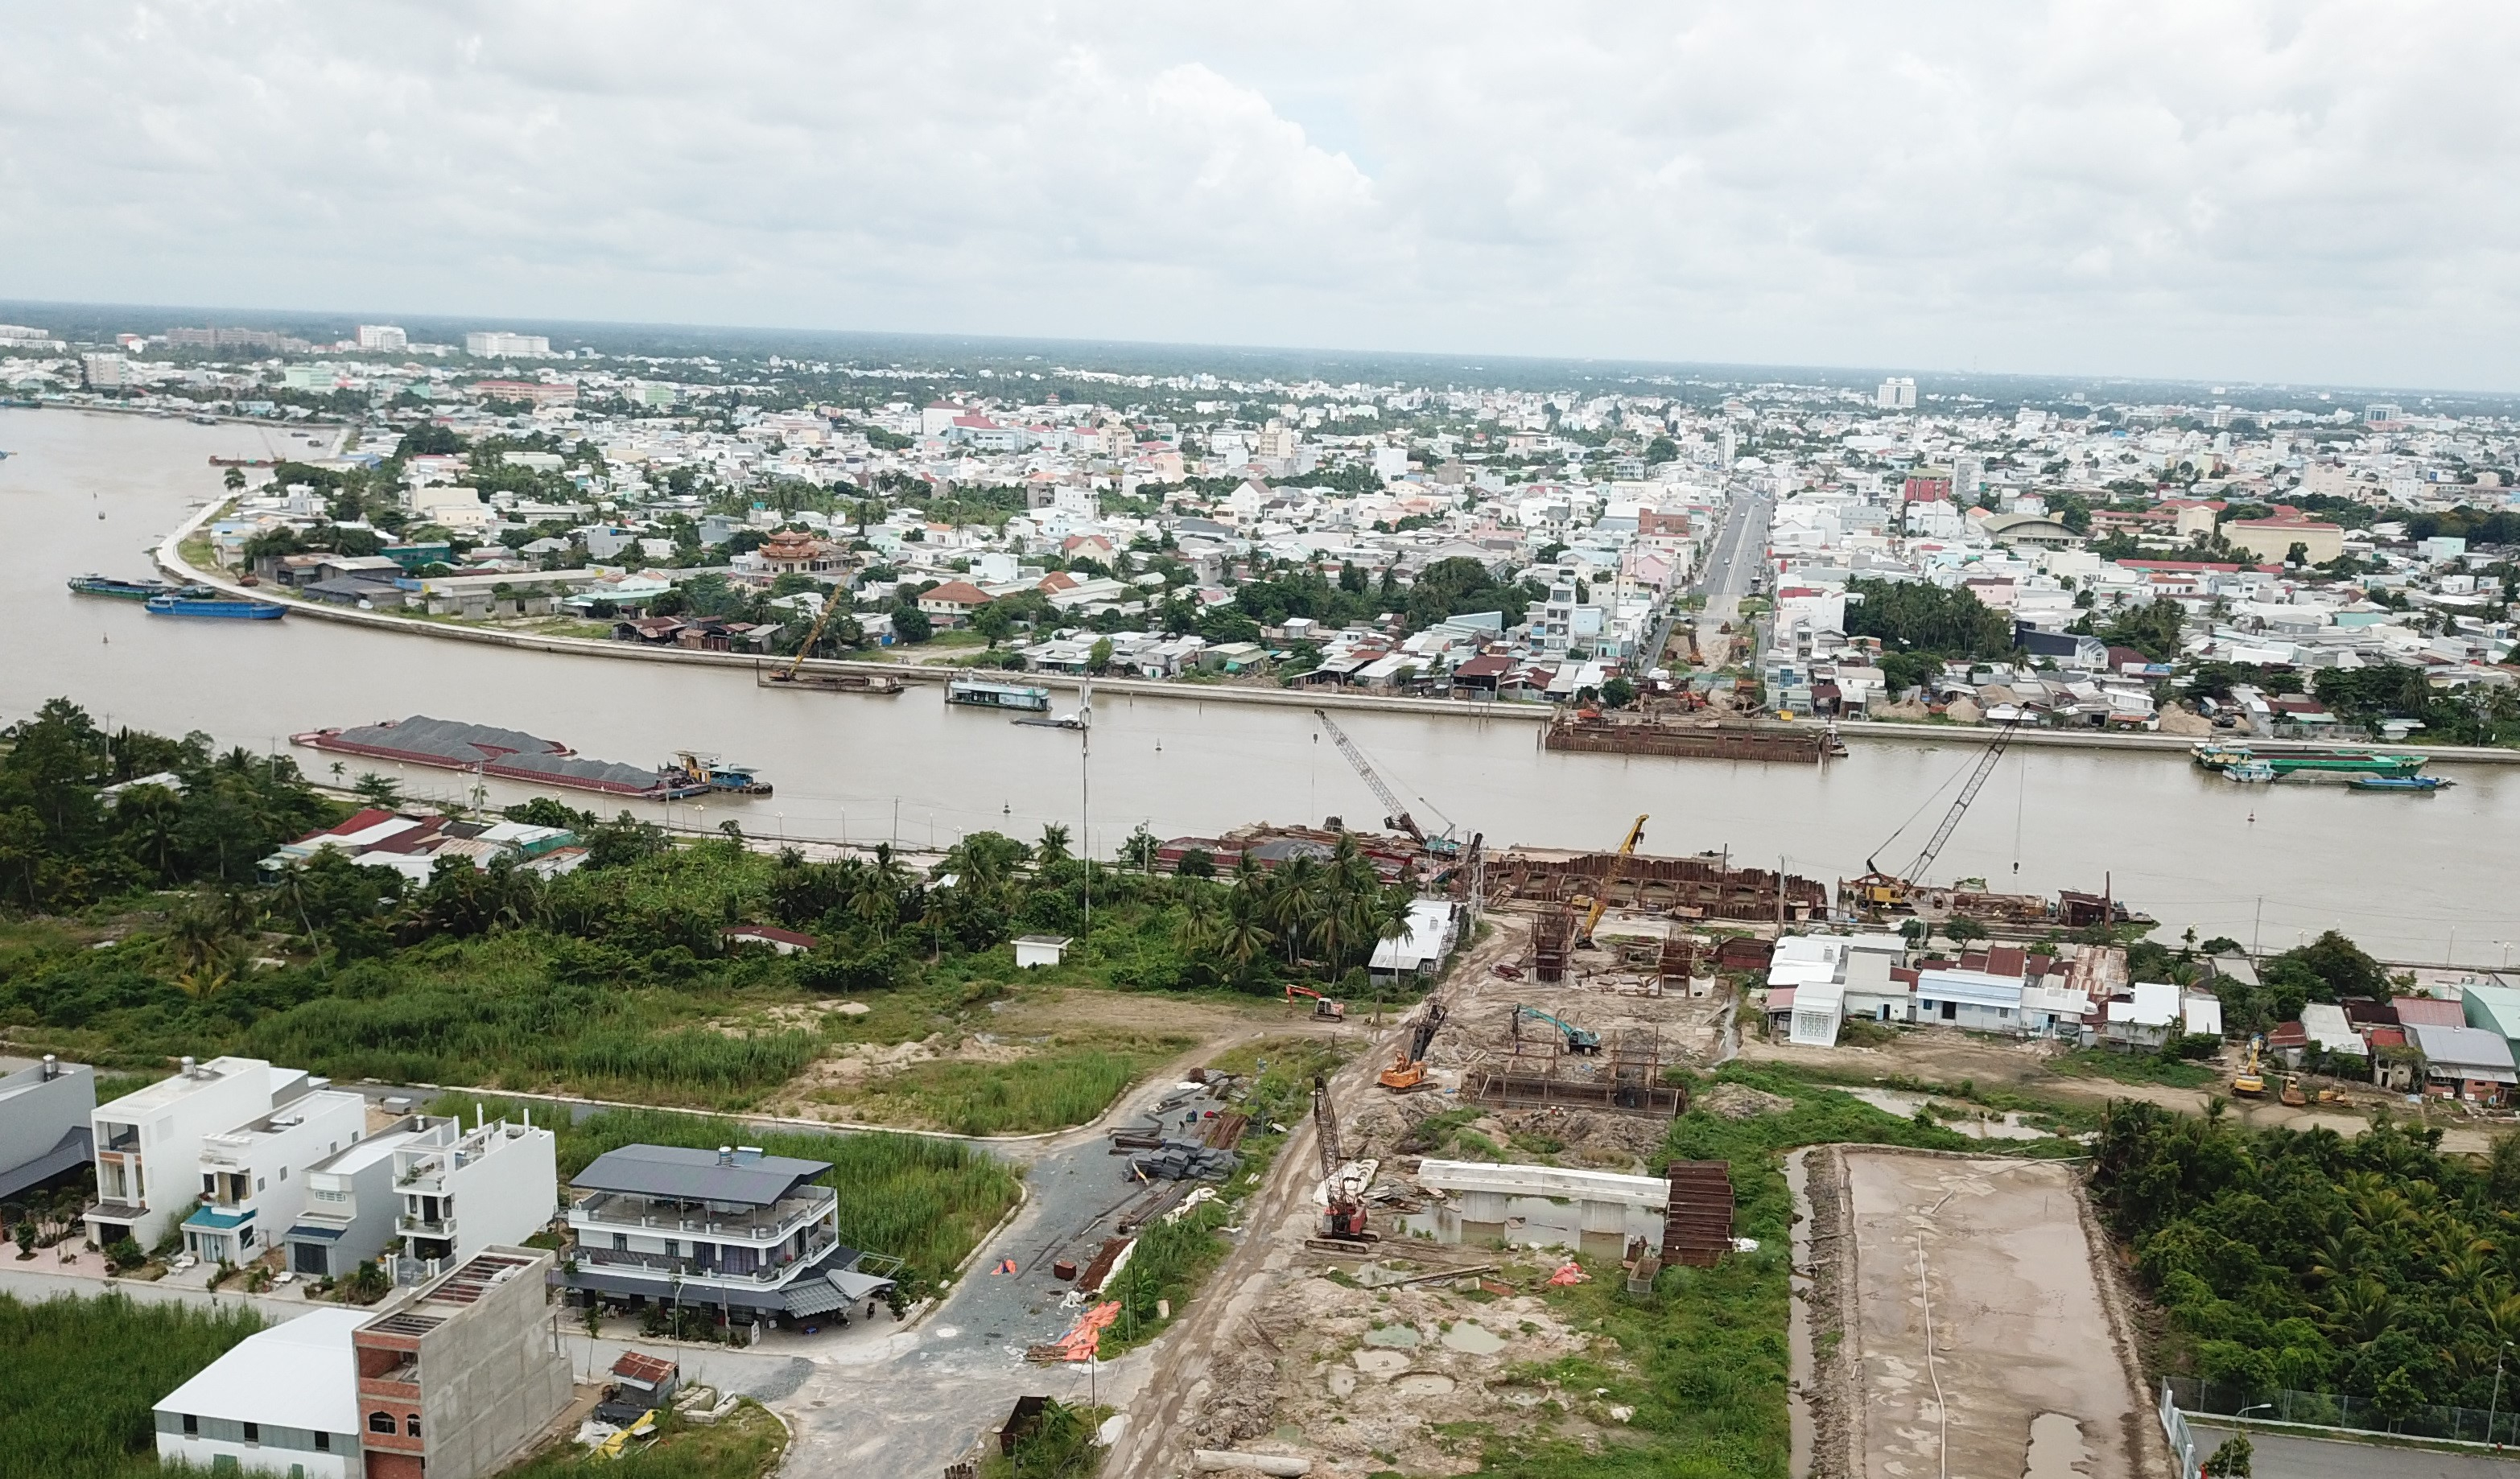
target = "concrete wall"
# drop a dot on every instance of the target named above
(490, 1379)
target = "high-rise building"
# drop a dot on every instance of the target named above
(498, 344)
(105, 372)
(383, 336)
(1897, 394)
(1968, 475)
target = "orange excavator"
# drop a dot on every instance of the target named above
(1324, 1008)
(1408, 1070)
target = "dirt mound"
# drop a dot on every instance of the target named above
(1741, 1101)
(2178, 719)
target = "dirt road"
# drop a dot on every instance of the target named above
(1983, 1338)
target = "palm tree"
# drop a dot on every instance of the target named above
(150, 816)
(1242, 940)
(1295, 896)
(1053, 847)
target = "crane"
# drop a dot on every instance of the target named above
(1395, 814)
(1346, 1212)
(1879, 890)
(1408, 1070)
(1602, 897)
(813, 634)
(1324, 1008)
(1578, 1038)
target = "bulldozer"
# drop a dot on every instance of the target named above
(1408, 1070)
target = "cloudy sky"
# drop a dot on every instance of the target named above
(2283, 192)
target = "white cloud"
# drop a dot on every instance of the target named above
(2282, 190)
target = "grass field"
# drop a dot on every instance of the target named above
(747, 1444)
(1068, 1081)
(2135, 1069)
(924, 1200)
(78, 1378)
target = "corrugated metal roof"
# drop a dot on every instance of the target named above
(689, 1175)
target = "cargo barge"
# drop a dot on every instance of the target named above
(879, 684)
(93, 584)
(189, 603)
(1692, 740)
(514, 755)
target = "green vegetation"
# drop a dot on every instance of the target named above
(1912, 616)
(78, 1378)
(1060, 1447)
(2167, 1069)
(745, 1444)
(2373, 1267)
(1050, 1089)
(924, 1200)
(1705, 1354)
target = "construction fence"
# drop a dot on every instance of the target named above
(2333, 1410)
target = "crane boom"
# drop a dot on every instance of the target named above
(1602, 899)
(813, 634)
(1326, 1122)
(1395, 814)
(1984, 768)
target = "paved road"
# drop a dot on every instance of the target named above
(2281, 1456)
(1740, 548)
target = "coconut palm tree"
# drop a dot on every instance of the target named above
(1053, 847)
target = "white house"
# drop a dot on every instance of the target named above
(2146, 1021)
(463, 1190)
(149, 1142)
(1433, 925)
(351, 1208)
(47, 1111)
(1820, 1009)
(1977, 1000)
(254, 1176)
(282, 1401)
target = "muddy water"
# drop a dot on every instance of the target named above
(2057, 1448)
(2398, 873)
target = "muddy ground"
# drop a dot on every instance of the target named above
(1976, 1323)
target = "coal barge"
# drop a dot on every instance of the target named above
(514, 755)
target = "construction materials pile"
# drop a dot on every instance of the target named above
(1177, 1160)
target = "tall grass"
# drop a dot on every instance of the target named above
(923, 1200)
(78, 1378)
(1050, 1091)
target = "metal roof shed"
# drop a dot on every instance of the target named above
(734, 1178)
(2494, 1008)
(2466, 1053)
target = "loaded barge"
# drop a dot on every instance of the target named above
(124, 590)
(514, 755)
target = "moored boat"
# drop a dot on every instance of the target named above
(93, 584)
(2421, 785)
(206, 604)
(979, 693)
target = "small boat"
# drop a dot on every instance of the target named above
(2252, 770)
(1046, 721)
(206, 603)
(2219, 755)
(120, 590)
(2422, 785)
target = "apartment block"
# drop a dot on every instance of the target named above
(149, 1142)
(45, 1114)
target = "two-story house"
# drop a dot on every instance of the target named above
(149, 1142)
(747, 1233)
(253, 1175)
(45, 1121)
(464, 1189)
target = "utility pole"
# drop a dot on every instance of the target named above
(2255, 921)
(2496, 1401)
(1085, 807)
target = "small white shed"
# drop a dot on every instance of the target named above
(1040, 950)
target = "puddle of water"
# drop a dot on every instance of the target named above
(2057, 1448)
(1475, 1338)
(1342, 1384)
(1394, 1338)
(1423, 1384)
(1381, 1363)
(1976, 1123)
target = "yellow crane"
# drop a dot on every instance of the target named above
(1602, 895)
(813, 634)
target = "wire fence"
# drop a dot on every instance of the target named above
(2337, 1410)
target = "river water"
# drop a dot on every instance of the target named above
(2415, 879)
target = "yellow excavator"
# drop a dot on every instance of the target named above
(1602, 895)
(2250, 1081)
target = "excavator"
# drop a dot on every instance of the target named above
(1408, 1070)
(2251, 1082)
(1877, 892)
(1344, 1218)
(1324, 1008)
(1602, 897)
(1578, 1038)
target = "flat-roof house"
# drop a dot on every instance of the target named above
(453, 1377)
(1973, 998)
(252, 1177)
(45, 1114)
(149, 1142)
(2148, 1018)
(351, 1207)
(748, 1235)
(463, 1190)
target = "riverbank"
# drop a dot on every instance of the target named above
(171, 559)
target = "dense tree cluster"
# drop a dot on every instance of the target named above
(2373, 1267)
(1913, 617)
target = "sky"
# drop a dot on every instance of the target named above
(2300, 192)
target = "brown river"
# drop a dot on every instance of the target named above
(2414, 877)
